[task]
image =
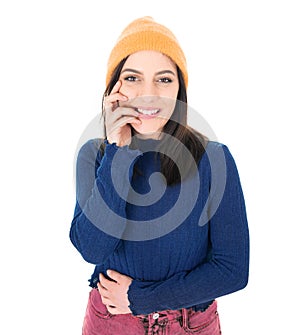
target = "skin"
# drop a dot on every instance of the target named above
(114, 294)
(148, 80)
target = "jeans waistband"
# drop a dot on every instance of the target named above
(170, 315)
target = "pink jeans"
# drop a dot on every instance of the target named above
(98, 321)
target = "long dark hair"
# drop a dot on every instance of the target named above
(177, 128)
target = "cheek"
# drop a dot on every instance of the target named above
(169, 107)
(128, 91)
(172, 91)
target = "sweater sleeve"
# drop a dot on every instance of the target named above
(102, 185)
(226, 269)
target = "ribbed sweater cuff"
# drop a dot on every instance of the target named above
(144, 295)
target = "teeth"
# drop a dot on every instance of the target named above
(147, 111)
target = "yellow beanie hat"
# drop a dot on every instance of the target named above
(145, 34)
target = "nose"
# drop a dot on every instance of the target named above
(148, 91)
(147, 99)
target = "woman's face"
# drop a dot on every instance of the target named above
(149, 79)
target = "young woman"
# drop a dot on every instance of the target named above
(160, 208)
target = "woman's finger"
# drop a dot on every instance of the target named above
(113, 98)
(118, 114)
(123, 121)
(124, 111)
(116, 87)
(105, 301)
(102, 290)
(112, 309)
(111, 101)
(103, 283)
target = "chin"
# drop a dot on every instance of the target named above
(147, 130)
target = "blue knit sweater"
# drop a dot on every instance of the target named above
(183, 245)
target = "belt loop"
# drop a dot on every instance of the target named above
(184, 312)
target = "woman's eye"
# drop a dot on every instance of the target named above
(165, 80)
(130, 78)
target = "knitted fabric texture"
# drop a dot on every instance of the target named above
(187, 267)
(146, 34)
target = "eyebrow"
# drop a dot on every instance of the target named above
(157, 73)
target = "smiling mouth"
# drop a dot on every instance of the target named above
(147, 111)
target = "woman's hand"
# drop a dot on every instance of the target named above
(118, 119)
(114, 293)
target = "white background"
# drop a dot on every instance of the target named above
(243, 59)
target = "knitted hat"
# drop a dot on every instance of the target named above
(145, 34)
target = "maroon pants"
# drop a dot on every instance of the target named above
(185, 321)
